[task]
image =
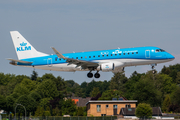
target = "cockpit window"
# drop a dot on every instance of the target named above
(160, 50)
(157, 50)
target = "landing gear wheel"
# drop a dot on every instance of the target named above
(89, 75)
(96, 75)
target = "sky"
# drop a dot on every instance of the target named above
(88, 25)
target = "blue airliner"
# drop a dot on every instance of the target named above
(104, 60)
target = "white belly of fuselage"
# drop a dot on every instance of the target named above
(123, 63)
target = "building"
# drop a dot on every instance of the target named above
(80, 102)
(108, 107)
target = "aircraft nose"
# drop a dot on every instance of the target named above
(170, 56)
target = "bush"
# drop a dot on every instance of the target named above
(143, 110)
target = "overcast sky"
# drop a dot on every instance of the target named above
(88, 25)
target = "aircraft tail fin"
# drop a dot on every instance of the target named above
(23, 48)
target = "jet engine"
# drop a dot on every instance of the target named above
(106, 67)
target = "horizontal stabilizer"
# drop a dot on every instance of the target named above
(20, 61)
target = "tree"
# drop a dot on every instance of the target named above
(166, 103)
(146, 92)
(34, 75)
(118, 81)
(28, 102)
(48, 89)
(175, 96)
(95, 92)
(68, 107)
(109, 94)
(143, 110)
(2, 102)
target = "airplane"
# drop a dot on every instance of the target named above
(114, 60)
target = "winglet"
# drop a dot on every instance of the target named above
(58, 53)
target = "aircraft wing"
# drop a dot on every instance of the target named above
(82, 63)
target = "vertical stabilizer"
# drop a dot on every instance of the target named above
(23, 48)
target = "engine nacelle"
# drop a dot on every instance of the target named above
(106, 67)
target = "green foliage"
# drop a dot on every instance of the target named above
(27, 102)
(146, 92)
(175, 96)
(142, 110)
(2, 102)
(109, 94)
(68, 107)
(118, 81)
(166, 103)
(34, 75)
(95, 92)
(56, 112)
(48, 88)
(44, 102)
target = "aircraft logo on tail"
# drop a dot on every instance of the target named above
(23, 47)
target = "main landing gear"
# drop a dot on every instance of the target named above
(96, 75)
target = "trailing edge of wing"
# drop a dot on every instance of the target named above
(82, 63)
(20, 61)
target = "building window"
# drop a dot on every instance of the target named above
(115, 106)
(98, 108)
(107, 106)
(128, 106)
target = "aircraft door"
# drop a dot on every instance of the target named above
(147, 53)
(49, 62)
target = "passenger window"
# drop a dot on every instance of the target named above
(132, 52)
(59, 58)
(107, 55)
(136, 52)
(81, 57)
(94, 56)
(119, 53)
(103, 55)
(98, 55)
(89, 56)
(124, 53)
(76, 57)
(115, 54)
(111, 54)
(128, 53)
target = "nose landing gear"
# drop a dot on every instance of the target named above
(153, 70)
